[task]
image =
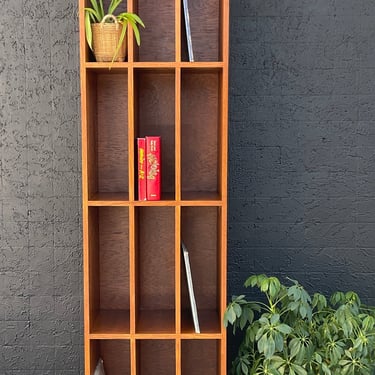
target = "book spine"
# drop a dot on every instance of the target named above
(141, 148)
(153, 168)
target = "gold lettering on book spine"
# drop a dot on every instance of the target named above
(153, 164)
(141, 163)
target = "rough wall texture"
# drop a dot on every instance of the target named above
(302, 143)
(302, 162)
(40, 245)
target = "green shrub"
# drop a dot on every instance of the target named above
(290, 333)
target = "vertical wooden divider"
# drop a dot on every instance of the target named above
(178, 287)
(130, 35)
(224, 173)
(178, 182)
(132, 186)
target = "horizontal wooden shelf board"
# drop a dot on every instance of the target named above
(120, 67)
(189, 199)
(111, 322)
(156, 322)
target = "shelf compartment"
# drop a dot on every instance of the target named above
(200, 131)
(157, 38)
(200, 357)
(111, 323)
(121, 8)
(107, 133)
(155, 116)
(205, 19)
(209, 321)
(156, 357)
(114, 353)
(155, 269)
(199, 232)
(109, 292)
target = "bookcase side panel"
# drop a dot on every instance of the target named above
(112, 139)
(93, 296)
(199, 132)
(91, 119)
(158, 38)
(155, 116)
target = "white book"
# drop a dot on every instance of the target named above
(188, 30)
(190, 288)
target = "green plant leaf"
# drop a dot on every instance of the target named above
(326, 369)
(88, 29)
(101, 8)
(97, 9)
(275, 318)
(284, 328)
(264, 285)
(113, 6)
(244, 368)
(299, 369)
(237, 309)
(269, 349)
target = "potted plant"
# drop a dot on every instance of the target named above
(290, 333)
(105, 32)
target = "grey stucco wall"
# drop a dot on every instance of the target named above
(302, 171)
(40, 235)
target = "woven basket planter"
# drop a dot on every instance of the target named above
(105, 40)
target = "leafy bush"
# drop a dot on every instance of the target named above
(292, 333)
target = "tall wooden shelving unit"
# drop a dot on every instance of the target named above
(136, 305)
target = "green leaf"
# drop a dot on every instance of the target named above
(326, 369)
(279, 341)
(294, 347)
(101, 8)
(299, 370)
(244, 368)
(262, 343)
(88, 29)
(264, 285)
(275, 318)
(251, 281)
(284, 328)
(113, 6)
(97, 9)
(237, 309)
(231, 315)
(269, 349)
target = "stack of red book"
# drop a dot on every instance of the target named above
(149, 168)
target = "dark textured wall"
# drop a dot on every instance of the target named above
(40, 231)
(302, 162)
(302, 143)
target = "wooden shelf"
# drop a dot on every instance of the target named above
(156, 322)
(111, 324)
(137, 312)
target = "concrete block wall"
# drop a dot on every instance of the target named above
(40, 229)
(301, 162)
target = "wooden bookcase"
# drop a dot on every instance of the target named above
(136, 305)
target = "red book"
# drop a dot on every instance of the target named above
(141, 148)
(153, 168)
